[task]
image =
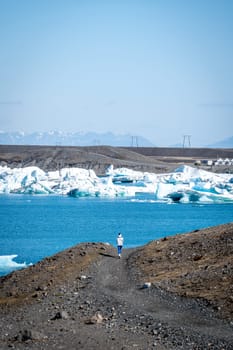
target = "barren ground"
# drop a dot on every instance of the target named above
(98, 158)
(87, 298)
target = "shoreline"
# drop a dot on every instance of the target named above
(85, 297)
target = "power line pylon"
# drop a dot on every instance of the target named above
(134, 141)
(186, 141)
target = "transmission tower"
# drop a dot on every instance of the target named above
(186, 141)
(96, 142)
(134, 141)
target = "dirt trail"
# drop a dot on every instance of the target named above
(155, 307)
(130, 316)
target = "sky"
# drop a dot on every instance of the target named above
(161, 69)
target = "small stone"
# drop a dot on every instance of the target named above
(146, 285)
(83, 277)
(30, 335)
(61, 315)
(96, 319)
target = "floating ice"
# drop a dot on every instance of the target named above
(185, 184)
(7, 264)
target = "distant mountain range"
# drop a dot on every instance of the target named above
(59, 138)
(226, 143)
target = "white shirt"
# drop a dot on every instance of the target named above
(120, 240)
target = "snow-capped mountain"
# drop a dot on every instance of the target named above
(52, 138)
(226, 143)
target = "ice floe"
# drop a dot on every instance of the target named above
(185, 184)
(8, 264)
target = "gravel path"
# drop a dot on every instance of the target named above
(107, 308)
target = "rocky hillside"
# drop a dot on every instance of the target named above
(98, 158)
(196, 265)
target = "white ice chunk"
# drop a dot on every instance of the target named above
(7, 263)
(188, 183)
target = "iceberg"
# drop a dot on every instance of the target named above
(185, 184)
(7, 264)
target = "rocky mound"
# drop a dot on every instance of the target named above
(48, 274)
(175, 293)
(197, 265)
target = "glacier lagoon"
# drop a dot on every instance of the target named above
(42, 213)
(35, 226)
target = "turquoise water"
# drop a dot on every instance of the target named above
(33, 227)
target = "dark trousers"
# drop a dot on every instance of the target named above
(119, 249)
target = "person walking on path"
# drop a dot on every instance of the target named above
(120, 241)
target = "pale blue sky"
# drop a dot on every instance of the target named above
(160, 69)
